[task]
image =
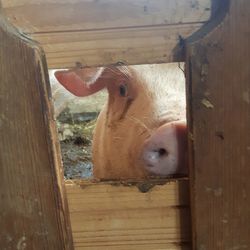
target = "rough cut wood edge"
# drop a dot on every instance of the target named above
(219, 123)
(118, 217)
(34, 212)
(96, 33)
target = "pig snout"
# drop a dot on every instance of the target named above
(165, 151)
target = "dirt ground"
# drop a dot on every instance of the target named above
(75, 135)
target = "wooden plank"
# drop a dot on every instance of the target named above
(36, 16)
(132, 46)
(102, 32)
(219, 123)
(117, 217)
(33, 211)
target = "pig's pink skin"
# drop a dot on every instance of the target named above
(78, 88)
(164, 153)
(141, 100)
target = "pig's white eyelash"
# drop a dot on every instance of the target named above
(122, 69)
(113, 70)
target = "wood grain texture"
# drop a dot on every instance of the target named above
(219, 122)
(33, 209)
(104, 47)
(107, 31)
(36, 16)
(117, 217)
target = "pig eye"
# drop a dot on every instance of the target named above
(123, 89)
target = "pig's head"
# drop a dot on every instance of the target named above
(141, 130)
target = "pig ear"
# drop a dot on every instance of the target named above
(81, 82)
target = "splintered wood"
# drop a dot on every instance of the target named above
(116, 217)
(108, 31)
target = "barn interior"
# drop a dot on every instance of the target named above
(45, 207)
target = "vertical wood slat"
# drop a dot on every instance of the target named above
(33, 208)
(218, 73)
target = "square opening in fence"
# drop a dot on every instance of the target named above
(121, 122)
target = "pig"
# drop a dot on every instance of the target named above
(141, 130)
(61, 97)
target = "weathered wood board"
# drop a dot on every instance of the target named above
(107, 31)
(218, 78)
(117, 217)
(68, 15)
(33, 207)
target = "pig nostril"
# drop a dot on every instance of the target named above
(154, 156)
(162, 152)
